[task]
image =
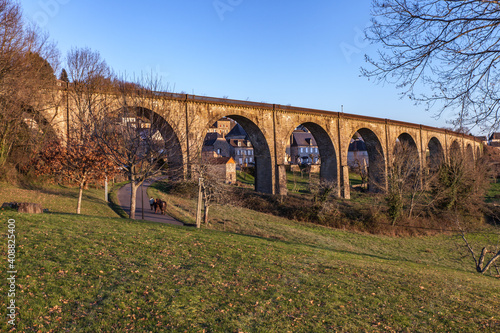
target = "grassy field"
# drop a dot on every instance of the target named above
(245, 178)
(263, 274)
(57, 198)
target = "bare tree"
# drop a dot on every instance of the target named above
(27, 80)
(136, 138)
(404, 184)
(120, 116)
(486, 259)
(91, 83)
(212, 193)
(450, 47)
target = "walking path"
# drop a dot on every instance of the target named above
(123, 195)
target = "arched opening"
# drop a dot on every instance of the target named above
(405, 153)
(240, 139)
(311, 151)
(434, 155)
(227, 153)
(365, 152)
(455, 152)
(142, 131)
(404, 168)
(469, 153)
(31, 134)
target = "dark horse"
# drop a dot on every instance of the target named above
(163, 207)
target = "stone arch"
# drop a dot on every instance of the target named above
(174, 152)
(34, 119)
(328, 156)
(33, 132)
(435, 154)
(469, 153)
(405, 138)
(262, 154)
(455, 152)
(405, 161)
(376, 159)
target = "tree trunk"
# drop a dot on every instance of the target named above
(133, 198)
(480, 267)
(80, 194)
(205, 214)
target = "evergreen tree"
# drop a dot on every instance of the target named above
(64, 76)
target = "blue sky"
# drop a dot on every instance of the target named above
(305, 54)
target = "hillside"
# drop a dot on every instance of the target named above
(101, 274)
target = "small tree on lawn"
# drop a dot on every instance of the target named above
(77, 163)
(212, 191)
(486, 259)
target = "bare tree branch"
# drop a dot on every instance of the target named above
(442, 52)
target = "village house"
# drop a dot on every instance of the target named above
(303, 148)
(221, 168)
(242, 151)
(241, 146)
(357, 156)
(494, 140)
(215, 145)
(222, 126)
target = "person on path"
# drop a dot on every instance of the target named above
(151, 202)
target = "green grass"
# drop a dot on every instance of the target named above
(295, 181)
(263, 274)
(248, 222)
(59, 199)
(245, 178)
(300, 183)
(493, 194)
(101, 274)
(354, 179)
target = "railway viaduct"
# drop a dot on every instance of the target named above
(269, 126)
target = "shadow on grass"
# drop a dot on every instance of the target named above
(61, 191)
(113, 201)
(64, 191)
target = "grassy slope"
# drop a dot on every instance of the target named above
(58, 198)
(84, 273)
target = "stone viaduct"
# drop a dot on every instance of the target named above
(269, 126)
